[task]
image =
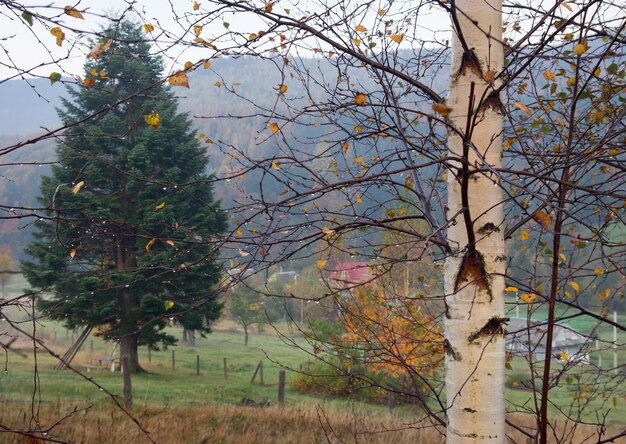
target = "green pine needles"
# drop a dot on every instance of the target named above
(134, 244)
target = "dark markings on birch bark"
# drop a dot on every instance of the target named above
(472, 270)
(494, 326)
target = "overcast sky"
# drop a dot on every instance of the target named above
(32, 50)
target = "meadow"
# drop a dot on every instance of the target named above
(187, 403)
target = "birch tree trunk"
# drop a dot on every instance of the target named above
(474, 282)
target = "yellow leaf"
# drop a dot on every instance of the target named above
(360, 99)
(381, 12)
(150, 244)
(568, 294)
(321, 263)
(71, 11)
(197, 29)
(148, 27)
(282, 88)
(524, 235)
(442, 109)
(168, 305)
(159, 206)
(605, 293)
(361, 28)
(397, 38)
(252, 36)
(359, 199)
(549, 75)
(179, 79)
(76, 188)
(153, 120)
(489, 75)
(543, 218)
(513, 289)
(358, 159)
(170, 242)
(563, 258)
(239, 233)
(196, 6)
(268, 7)
(598, 271)
(188, 65)
(528, 297)
(218, 83)
(357, 42)
(99, 49)
(574, 285)
(103, 75)
(274, 127)
(523, 107)
(275, 165)
(562, 356)
(327, 231)
(73, 253)
(580, 48)
(571, 81)
(206, 64)
(59, 34)
(89, 82)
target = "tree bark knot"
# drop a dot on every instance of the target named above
(472, 270)
(494, 326)
(469, 62)
(451, 351)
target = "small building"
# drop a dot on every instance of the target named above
(284, 276)
(237, 274)
(347, 275)
(526, 339)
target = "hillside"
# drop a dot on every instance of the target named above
(241, 91)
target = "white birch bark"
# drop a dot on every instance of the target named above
(474, 283)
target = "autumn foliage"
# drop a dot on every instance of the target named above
(376, 344)
(398, 339)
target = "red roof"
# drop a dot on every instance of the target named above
(349, 274)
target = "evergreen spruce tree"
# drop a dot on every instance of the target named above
(132, 247)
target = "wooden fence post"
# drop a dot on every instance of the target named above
(259, 370)
(149, 355)
(197, 365)
(225, 369)
(173, 360)
(281, 387)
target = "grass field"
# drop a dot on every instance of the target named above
(177, 405)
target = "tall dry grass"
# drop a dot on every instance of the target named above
(227, 424)
(218, 424)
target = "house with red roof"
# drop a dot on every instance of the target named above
(347, 275)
